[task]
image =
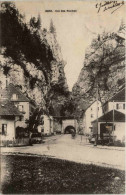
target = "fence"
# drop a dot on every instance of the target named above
(15, 142)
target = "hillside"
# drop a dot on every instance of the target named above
(104, 67)
(31, 59)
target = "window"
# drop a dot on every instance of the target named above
(124, 106)
(91, 109)
(98, 108)
(117, 106)
(14, 97)
(92, 115)
(4, 129)
(21, 108)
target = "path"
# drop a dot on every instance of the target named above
(63, 147)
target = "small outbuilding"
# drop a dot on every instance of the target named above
(112, 123)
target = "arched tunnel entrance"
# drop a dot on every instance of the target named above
(69, 129)
(67, 124)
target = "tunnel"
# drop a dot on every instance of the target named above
(69, 130)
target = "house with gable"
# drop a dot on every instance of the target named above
(116, 102)
(15, 110)
(112, 122)
(19, 100)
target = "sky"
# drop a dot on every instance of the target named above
(75, 30)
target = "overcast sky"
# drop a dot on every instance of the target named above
(74, 30)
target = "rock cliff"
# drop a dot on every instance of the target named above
(31, 59)
(104, 68)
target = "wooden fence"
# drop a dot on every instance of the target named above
(15, 142)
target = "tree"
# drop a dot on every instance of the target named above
(35, 22)
(24, 41)
(34, 120)
(52, 27)
(122, 27)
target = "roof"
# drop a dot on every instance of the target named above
(108, 117)
(7, 93)
(118, 97)
(8, 109)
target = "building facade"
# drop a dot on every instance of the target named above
(117, 102)
(9, 116)
(16, 109)
(20, 101)
(46, 126)
(112, 122)
(91, 113)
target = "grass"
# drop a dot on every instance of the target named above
(42, 175)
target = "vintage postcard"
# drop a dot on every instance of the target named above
(62, 97)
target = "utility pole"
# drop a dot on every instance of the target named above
(113, 120)
(96, 135)
(97, 110)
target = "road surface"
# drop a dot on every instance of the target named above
(77, 150)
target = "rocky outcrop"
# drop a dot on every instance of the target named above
(31, 59)
(104, 68)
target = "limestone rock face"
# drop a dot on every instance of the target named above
(33, 83)
(104, 66)
(31, 59)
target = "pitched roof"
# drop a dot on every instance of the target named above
(108, 117)
(9, 91)
(8, 109)
(118, 97)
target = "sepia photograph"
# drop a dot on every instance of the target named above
(62, 96)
